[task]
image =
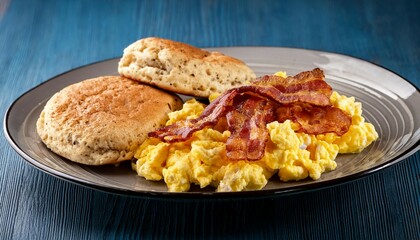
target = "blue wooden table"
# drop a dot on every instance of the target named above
(40, 39)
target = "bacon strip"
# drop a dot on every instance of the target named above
(273, 94)
(182, 130)
(303, 98)
(304, 82)
(315, 120)
(247, 124)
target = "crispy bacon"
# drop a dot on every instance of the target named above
(314, 119)
(309, 81)
(182, 130)
(274, 94)
(310, 86)
(303, 99)
(247, 124)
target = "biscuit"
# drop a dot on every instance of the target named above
(182, 68)
(103, 120)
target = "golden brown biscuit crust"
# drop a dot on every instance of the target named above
(103, 120)
(182, 68)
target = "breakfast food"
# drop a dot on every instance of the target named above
(102, 120)
(251, 130)
(292, 126)
(182, 68)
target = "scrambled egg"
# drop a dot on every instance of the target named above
(293, 156)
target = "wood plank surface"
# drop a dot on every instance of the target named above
(40, 39)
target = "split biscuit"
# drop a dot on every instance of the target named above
(103, 120)
(182, 68)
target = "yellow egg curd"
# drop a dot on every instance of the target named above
(293, 156)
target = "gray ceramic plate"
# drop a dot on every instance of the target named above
(389, 102)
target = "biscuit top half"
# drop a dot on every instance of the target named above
(103, 120)
(182, 68)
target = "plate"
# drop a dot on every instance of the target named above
(389, 103)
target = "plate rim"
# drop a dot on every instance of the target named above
(314, 186)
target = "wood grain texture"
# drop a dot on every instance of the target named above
(40, 39)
